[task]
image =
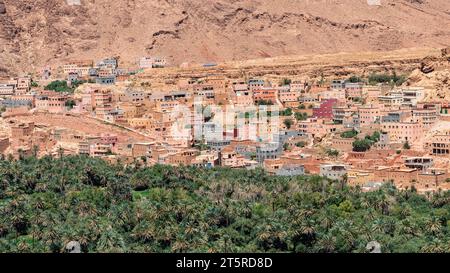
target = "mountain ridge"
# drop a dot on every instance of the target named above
(37, 33)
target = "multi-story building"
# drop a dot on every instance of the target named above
(314, 127)
(265, 94)
(353, 90)
(268, 151)
(106, 80)
(7, 90)
(52, 102)
(439, 144)
(419, 163)
(108, 63)
(392, 99)
(255, 84)
(338, 84)
(371, 93)
(370, 114)
(285, 94)
(413, 95)
(427, 116)
(152, 62)
(100, 97)
(403, 131)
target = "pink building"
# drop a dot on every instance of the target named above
(325, 110)
(244, 98)
(52, 102)
(288, 95)
(403, 131)
(353, 90)
(316, 127)
(369, 114)
(108, 139)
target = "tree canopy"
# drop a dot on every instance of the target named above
(46, 203)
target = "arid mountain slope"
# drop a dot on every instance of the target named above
(33, 33)
(434, 73)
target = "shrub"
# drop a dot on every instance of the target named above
(301, 116)
(361, 145)
(300, 144)
(288, 123)
(59, 86)
(355, 79)
(349, 134)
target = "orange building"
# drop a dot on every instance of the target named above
(266, 94)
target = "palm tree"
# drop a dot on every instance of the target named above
(434, 226)
(327, 244)
(110, 241)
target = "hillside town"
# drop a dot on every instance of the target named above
(365, 132)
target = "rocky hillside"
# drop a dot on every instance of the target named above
(33, 33)
(434, 73)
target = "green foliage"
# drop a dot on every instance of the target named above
(288, 123)
(48, 202)
(77, 83)
(355, 79)
(70, 103)
(34, 84)
(349, 134)
(59, 86)
(358, 100)
(301, 116)
(301, 144)
(332, 152)
(285, 81)
(375, 137)
(406, 146)
(393, 79)
(286, 112)
(361, 145)
(264, 102)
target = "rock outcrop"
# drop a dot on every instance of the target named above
(433, 73)
(427, 65)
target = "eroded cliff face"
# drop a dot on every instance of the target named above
(434, 73)
(34, 33)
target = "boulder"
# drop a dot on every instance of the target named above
(427, 65)
(73, 247)
(373, 247)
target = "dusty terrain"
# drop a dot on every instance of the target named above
(34, 33)
(301, 67)
(80, 124)
(433, 73)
